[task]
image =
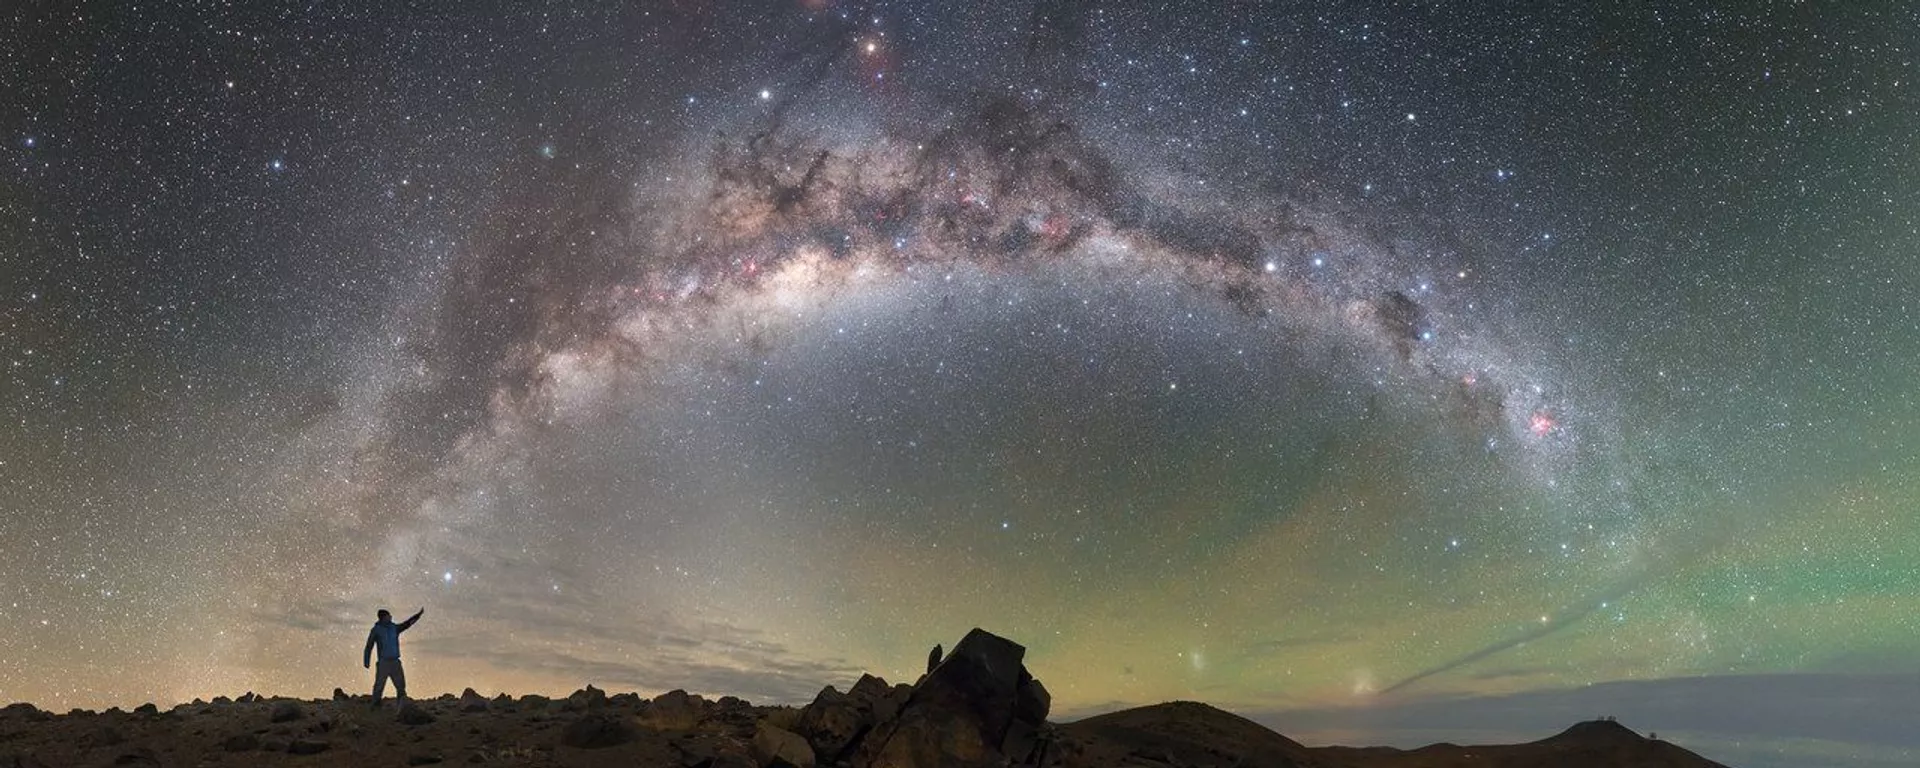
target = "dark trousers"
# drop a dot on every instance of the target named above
(389, 668)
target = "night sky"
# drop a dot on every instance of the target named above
(1390, 372)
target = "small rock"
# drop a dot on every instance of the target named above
(340, 695)
(106, 736)
(285, 711)
(307, 747)
(147, 709)
(247, 698)
(598, 730)
(413, 714)
(22, 760)
(241, 742)
(141, 756)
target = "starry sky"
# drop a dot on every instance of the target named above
(1392, 372)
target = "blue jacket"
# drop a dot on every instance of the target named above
(386, 635)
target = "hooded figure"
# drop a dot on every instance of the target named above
(386, 636)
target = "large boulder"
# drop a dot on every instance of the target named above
(598, 730)
(884, 700)
(285, 710)
(588, 698)
(979, 707)
(835, 720)
(472, 701)
(780, 748)
(832, 722)
(675, 710)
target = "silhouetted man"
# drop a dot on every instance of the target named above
(386, 635)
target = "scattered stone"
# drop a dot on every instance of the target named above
(413, 714)
(241, 742)
(780, 748)
(285, 711)
(307, 747)
(340, 695)
(598, 730)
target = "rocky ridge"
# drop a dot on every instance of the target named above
(978, 706)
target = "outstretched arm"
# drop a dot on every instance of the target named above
(411, 619)
(366, 656)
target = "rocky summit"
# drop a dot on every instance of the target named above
(977, 706)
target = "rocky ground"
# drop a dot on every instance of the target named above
(978, 707)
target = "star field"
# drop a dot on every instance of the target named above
(1390, 373)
